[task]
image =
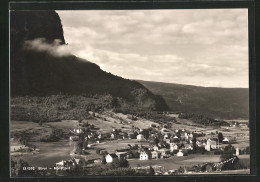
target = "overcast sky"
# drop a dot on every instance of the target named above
(194, 47)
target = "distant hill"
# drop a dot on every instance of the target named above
(38, 72)
(222, 103)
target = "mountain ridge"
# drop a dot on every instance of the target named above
(217, 102)
(38, 69)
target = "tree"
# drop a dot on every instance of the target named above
(220, 137)
(151, 171)
(104, 160)
(194, 145)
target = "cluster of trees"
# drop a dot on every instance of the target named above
(55, 135)
(201, 119)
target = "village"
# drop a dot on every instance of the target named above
(166, 148)
(147, 146)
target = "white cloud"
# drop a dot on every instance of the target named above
(182, 46)
(55, 48)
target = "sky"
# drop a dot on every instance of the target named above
(206, 47)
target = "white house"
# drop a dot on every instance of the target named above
(191, 135)
(210, 145)
(237, 151)
(225, 140)
(144, 156)
(111, 157)
(166, 136)
(140, 137)
(78, 130)
(112, 135)
(180, 153)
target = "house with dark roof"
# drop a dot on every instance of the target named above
(111, 157)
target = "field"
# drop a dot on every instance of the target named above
(175, 162)
(49, 154)
(111, 146)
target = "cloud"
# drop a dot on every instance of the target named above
(40, 44)
(179, 46)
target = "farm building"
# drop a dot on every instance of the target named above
(74, 138)
(211, 144)
(112, 136)
(180, 153)
(110, 157)
(121, 155)
(144, 156)
(237, 151)
(173, 147)
(225, 141)
(155, 148)
(67, 163)
(140, 137)
(155, 154)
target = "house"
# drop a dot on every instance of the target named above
(140, 137)
(112, 136)
(74, 138)
(225, 141)
(97, 161)
(17, 147)
(165, 136)
(131, 135)
(188, 147)
(94, 161)
(155, 154)
(79, 130)
(164, 152)
(173, 147)
(211, 144)
(144, 156)
(111, 157)
(155, 148)
(237, 151)
(180, 153)
(186, 136)
(121, 155)
(100, 136)
(67, 163)
(167, 141)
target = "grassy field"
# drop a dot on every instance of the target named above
(111, 146)
(176, 162)
(109, 120)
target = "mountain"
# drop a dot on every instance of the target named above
(223, 103)
(38, 69)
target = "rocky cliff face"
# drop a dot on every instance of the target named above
(38, 68)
